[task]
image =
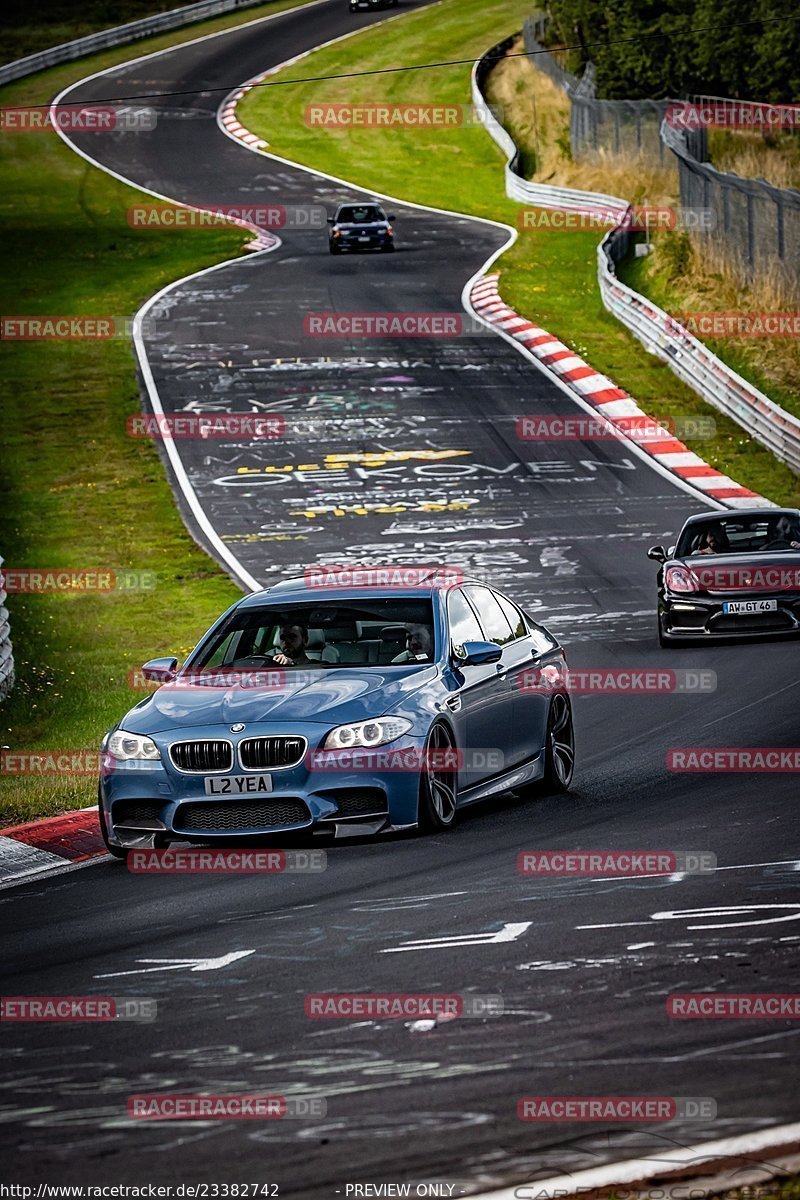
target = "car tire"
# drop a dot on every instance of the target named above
(438, 789)
(332, 249)
(664, 641)
(388, 248)
(559, 753)
(114, 851)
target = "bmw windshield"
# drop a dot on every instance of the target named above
(375, 632)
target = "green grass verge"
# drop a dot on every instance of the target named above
(547, 276)
(76, 492)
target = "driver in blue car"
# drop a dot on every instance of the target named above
(419, 645)
(293, 641)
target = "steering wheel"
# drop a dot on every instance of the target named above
(778, 544)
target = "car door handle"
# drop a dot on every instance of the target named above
(502, 671)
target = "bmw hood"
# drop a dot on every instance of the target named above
(330, 696)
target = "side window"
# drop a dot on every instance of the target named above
(541, 640)
(513, 615)
(224, 651)
(491, 616)
(464, 625)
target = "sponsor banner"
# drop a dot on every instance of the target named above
(397, 116)
(401, 1005)
(615, 862)
(192, 861)
(350, 575)
(719, 578)
(258, 1107)
(639, 218)
(79, 118)
(733, 114)
(54, 762)
(616, 681)
(643, 429)
(214, 216)
(616, 1108)
(412, 758)
(26, 580)
(243, 426)
(77, 1008)
(734, 1005)
(734, 759)
(733, 324)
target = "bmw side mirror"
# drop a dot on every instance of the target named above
(331, 221)
(658, 553)
(475, 654)
(391, 217)
(160, 670)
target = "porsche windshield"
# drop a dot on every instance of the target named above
(741, 535)
(370, 633)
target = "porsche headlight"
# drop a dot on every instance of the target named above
(366, 733)
(125, 747)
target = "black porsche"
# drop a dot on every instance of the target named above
(731, 575)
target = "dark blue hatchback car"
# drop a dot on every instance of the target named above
(340, 708)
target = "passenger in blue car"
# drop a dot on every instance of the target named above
(419, 645)
(293, 640)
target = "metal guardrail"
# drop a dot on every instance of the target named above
(691, 361)
(118, 35)
(6, 655)
(525, 190)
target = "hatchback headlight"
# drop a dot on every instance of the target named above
(366, 733)
(125, 747)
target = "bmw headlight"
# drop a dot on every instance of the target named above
(125, 747)
(366, 733)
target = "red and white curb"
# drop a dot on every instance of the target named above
(611, 402)
(27, 850)
(710, 1167)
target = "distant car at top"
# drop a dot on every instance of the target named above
(360, 227)
(370, 5)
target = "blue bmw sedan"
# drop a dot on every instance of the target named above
(344, 709)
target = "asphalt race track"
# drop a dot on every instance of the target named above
(564, 526)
